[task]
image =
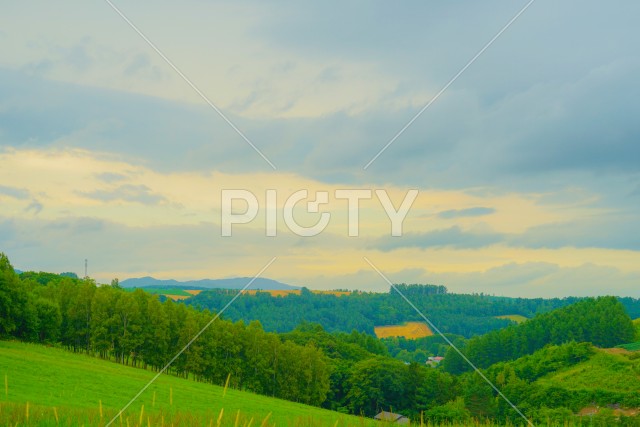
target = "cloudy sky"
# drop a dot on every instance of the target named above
(527, 166)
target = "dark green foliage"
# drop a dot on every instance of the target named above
(385, 384)
(602, 321)
(478, 397)
(364, 381)
(634, 346)
(465, 315)
(419, 349)
(451, 412)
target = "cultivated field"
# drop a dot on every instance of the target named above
(410, 330)
(177, 297)
(514, 317)
(283, 293)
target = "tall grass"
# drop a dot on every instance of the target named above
(26, 414)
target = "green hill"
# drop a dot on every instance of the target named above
(604, 372)
(78, 385)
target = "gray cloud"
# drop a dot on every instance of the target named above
(608, 232)
(470, 212)
(453, 237)
(612, 231)
(535, 280)
(529, 280)
(129, 193)
(16, 193)
(35, 207)
(551, 106)
(110, 177)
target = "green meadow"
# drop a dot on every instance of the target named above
(50, 386)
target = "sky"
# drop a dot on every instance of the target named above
(527, 166)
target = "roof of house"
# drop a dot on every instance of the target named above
(388, 416)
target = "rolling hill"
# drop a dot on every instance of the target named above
(76, 389)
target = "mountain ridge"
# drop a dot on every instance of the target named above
(231, 283)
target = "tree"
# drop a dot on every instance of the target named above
(478, 397)
(377, 384)
(104, 321)
(8, 290)
(49, 320)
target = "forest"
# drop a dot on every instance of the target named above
(351, 372)
(459, 314)
(602, 322)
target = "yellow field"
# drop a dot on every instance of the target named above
(282, 293)
(177, 297)
(336, 293)
(410, 330)
(193, 291)
(515, 317)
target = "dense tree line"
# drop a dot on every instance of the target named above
(419, 349)
(364, 380)
(465, 315)
(136, 329)
(602, 321)
(347, 372)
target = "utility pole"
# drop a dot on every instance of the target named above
(86, 263)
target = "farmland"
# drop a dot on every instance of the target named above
(284, 293)
(179, 293)
(410, 330)
(514, 317)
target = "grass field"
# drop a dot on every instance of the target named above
(410, 330)
(514, 317)
(163, 291)
(76, 388)
(608, 370)
(634, 346)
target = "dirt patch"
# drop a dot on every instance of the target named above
(594, 410)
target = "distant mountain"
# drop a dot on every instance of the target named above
(235, 283)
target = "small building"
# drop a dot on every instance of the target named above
(434, 361)
(391, 417)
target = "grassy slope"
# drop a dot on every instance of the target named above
(604, 370)
(49, 377)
